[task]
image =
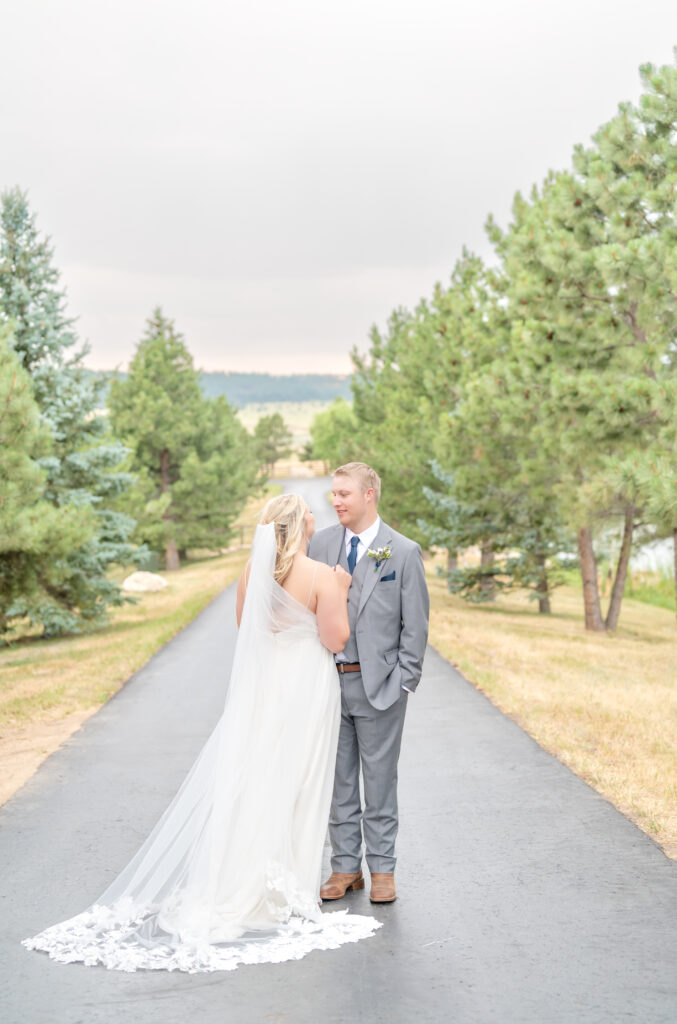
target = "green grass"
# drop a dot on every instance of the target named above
(655, 588)
(24, 709)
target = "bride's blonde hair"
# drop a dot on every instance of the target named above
(287, 511)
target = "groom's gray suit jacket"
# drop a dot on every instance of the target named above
(389, 618)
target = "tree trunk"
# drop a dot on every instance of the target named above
(542, 588)
(452, 560)
(614, 610)
(486, 562)
(172, 560)
(586, 553)
(164, 471)
(674, 546)
(171, 555)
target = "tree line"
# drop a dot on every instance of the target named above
(529, 407)
(166, 469)
(259, 388)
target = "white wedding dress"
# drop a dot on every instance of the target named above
(230, 874)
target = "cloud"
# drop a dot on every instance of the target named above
(281, 175)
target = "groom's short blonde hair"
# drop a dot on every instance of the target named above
(365, 476)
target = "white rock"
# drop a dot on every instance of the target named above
(144, 581)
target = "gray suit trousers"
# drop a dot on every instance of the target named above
(373, 737)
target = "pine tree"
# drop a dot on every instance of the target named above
(194, 462)
(34, 534)
(388, 408)
(493, 469)
(334, 437)
(401, 388)
(657, 478)
(272, 439)
(435, 416)
(82, 467)
(222, 470)
(591, 265)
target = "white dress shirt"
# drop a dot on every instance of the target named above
(367, 537)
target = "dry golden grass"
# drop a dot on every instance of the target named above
(294, 467)
(72, 673)
(297, 415)
(49, 687)
(605, 705)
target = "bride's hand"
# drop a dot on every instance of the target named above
(344, 578)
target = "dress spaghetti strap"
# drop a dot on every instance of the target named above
(312, 585)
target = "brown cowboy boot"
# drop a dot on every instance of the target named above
(338, 884)
(382, 888)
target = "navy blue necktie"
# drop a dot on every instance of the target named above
(352, 557)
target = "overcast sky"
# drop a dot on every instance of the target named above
(280, 175)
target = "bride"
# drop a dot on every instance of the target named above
(230, 874)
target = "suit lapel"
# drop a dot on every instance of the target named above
(383, 537)
(336, 548)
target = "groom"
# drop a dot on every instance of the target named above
(379, 666)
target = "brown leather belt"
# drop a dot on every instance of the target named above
(347, 666)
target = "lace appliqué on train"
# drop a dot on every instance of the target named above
(114, 936)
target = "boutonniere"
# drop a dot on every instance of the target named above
(379, 555)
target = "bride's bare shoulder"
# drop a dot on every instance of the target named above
(307, 572)
(326, 581)
(321, 569)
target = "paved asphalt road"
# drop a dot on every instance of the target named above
(525, 898)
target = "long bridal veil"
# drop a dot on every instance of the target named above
(230, 873)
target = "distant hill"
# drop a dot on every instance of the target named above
(246, 388)
(256, 388)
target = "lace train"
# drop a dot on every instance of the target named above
(114, 935)
(98, 936)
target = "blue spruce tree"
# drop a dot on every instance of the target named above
(81, 469)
